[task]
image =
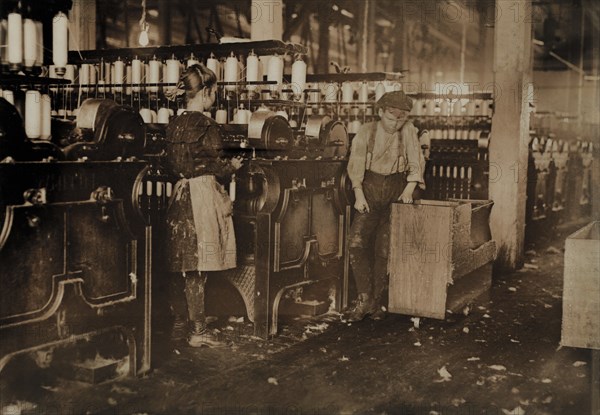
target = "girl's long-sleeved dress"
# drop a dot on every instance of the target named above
(199, 217)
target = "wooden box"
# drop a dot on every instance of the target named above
(440, 255)
(581, 293)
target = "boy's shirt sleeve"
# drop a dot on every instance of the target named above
(414, 155)
(358, 155)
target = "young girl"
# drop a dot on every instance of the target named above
(200, 235)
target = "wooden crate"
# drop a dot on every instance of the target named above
(581, 293)
(440, 255)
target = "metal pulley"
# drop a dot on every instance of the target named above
(329, 134)
(109, 131)
(268, 131)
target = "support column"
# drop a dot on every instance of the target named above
(266, 21)
(510, 130)
(399, 41)
(164, 26)
(82, 25)
(367, 49)
(324, 10)
(595, 128)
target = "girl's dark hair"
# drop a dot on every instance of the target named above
(195, 78)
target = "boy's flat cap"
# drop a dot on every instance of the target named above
(396, 99)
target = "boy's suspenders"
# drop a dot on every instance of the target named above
(371, 146)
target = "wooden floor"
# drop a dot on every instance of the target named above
(503, 357)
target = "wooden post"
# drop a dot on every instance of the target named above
(82, 25)
(510, 130)
(266, 21)
(324, 10)
(367, 50)
(164, 26)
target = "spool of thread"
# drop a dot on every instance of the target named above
(100, 73)
(163, 115)
(417, 106)
(153, 74)
(39, 30)
(314, 96)
(173, 74)
(252, 70)
(471, 107)
(136, 74)
(298, 77)
(430, 107)
(354, 126)
(275, 72)
(379, 91)
(119, 71)
(444, 107)
(450, 132)
(488, 103)
(29, 43)
(108, 73)
(457, 108)
(69, 76)
(293, 123)
(84, 77)
(331, 92)
(213, 64)
(15, 39)
(60, 39)
(192, 61)
(231, 72)
(9, 96)
(363, 92)
(347, 92)
(285, 95)
(93, 75)
(52, 74)
(243, 115)
(128, 79)
(46, 123)
(33, 114)
(146, 115)
(221, 116)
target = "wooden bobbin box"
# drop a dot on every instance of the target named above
(440, 256)
(581, 292)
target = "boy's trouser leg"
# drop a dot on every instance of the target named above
(360, 248)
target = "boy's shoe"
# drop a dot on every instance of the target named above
(378, 314)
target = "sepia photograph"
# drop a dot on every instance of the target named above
(299, 207)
